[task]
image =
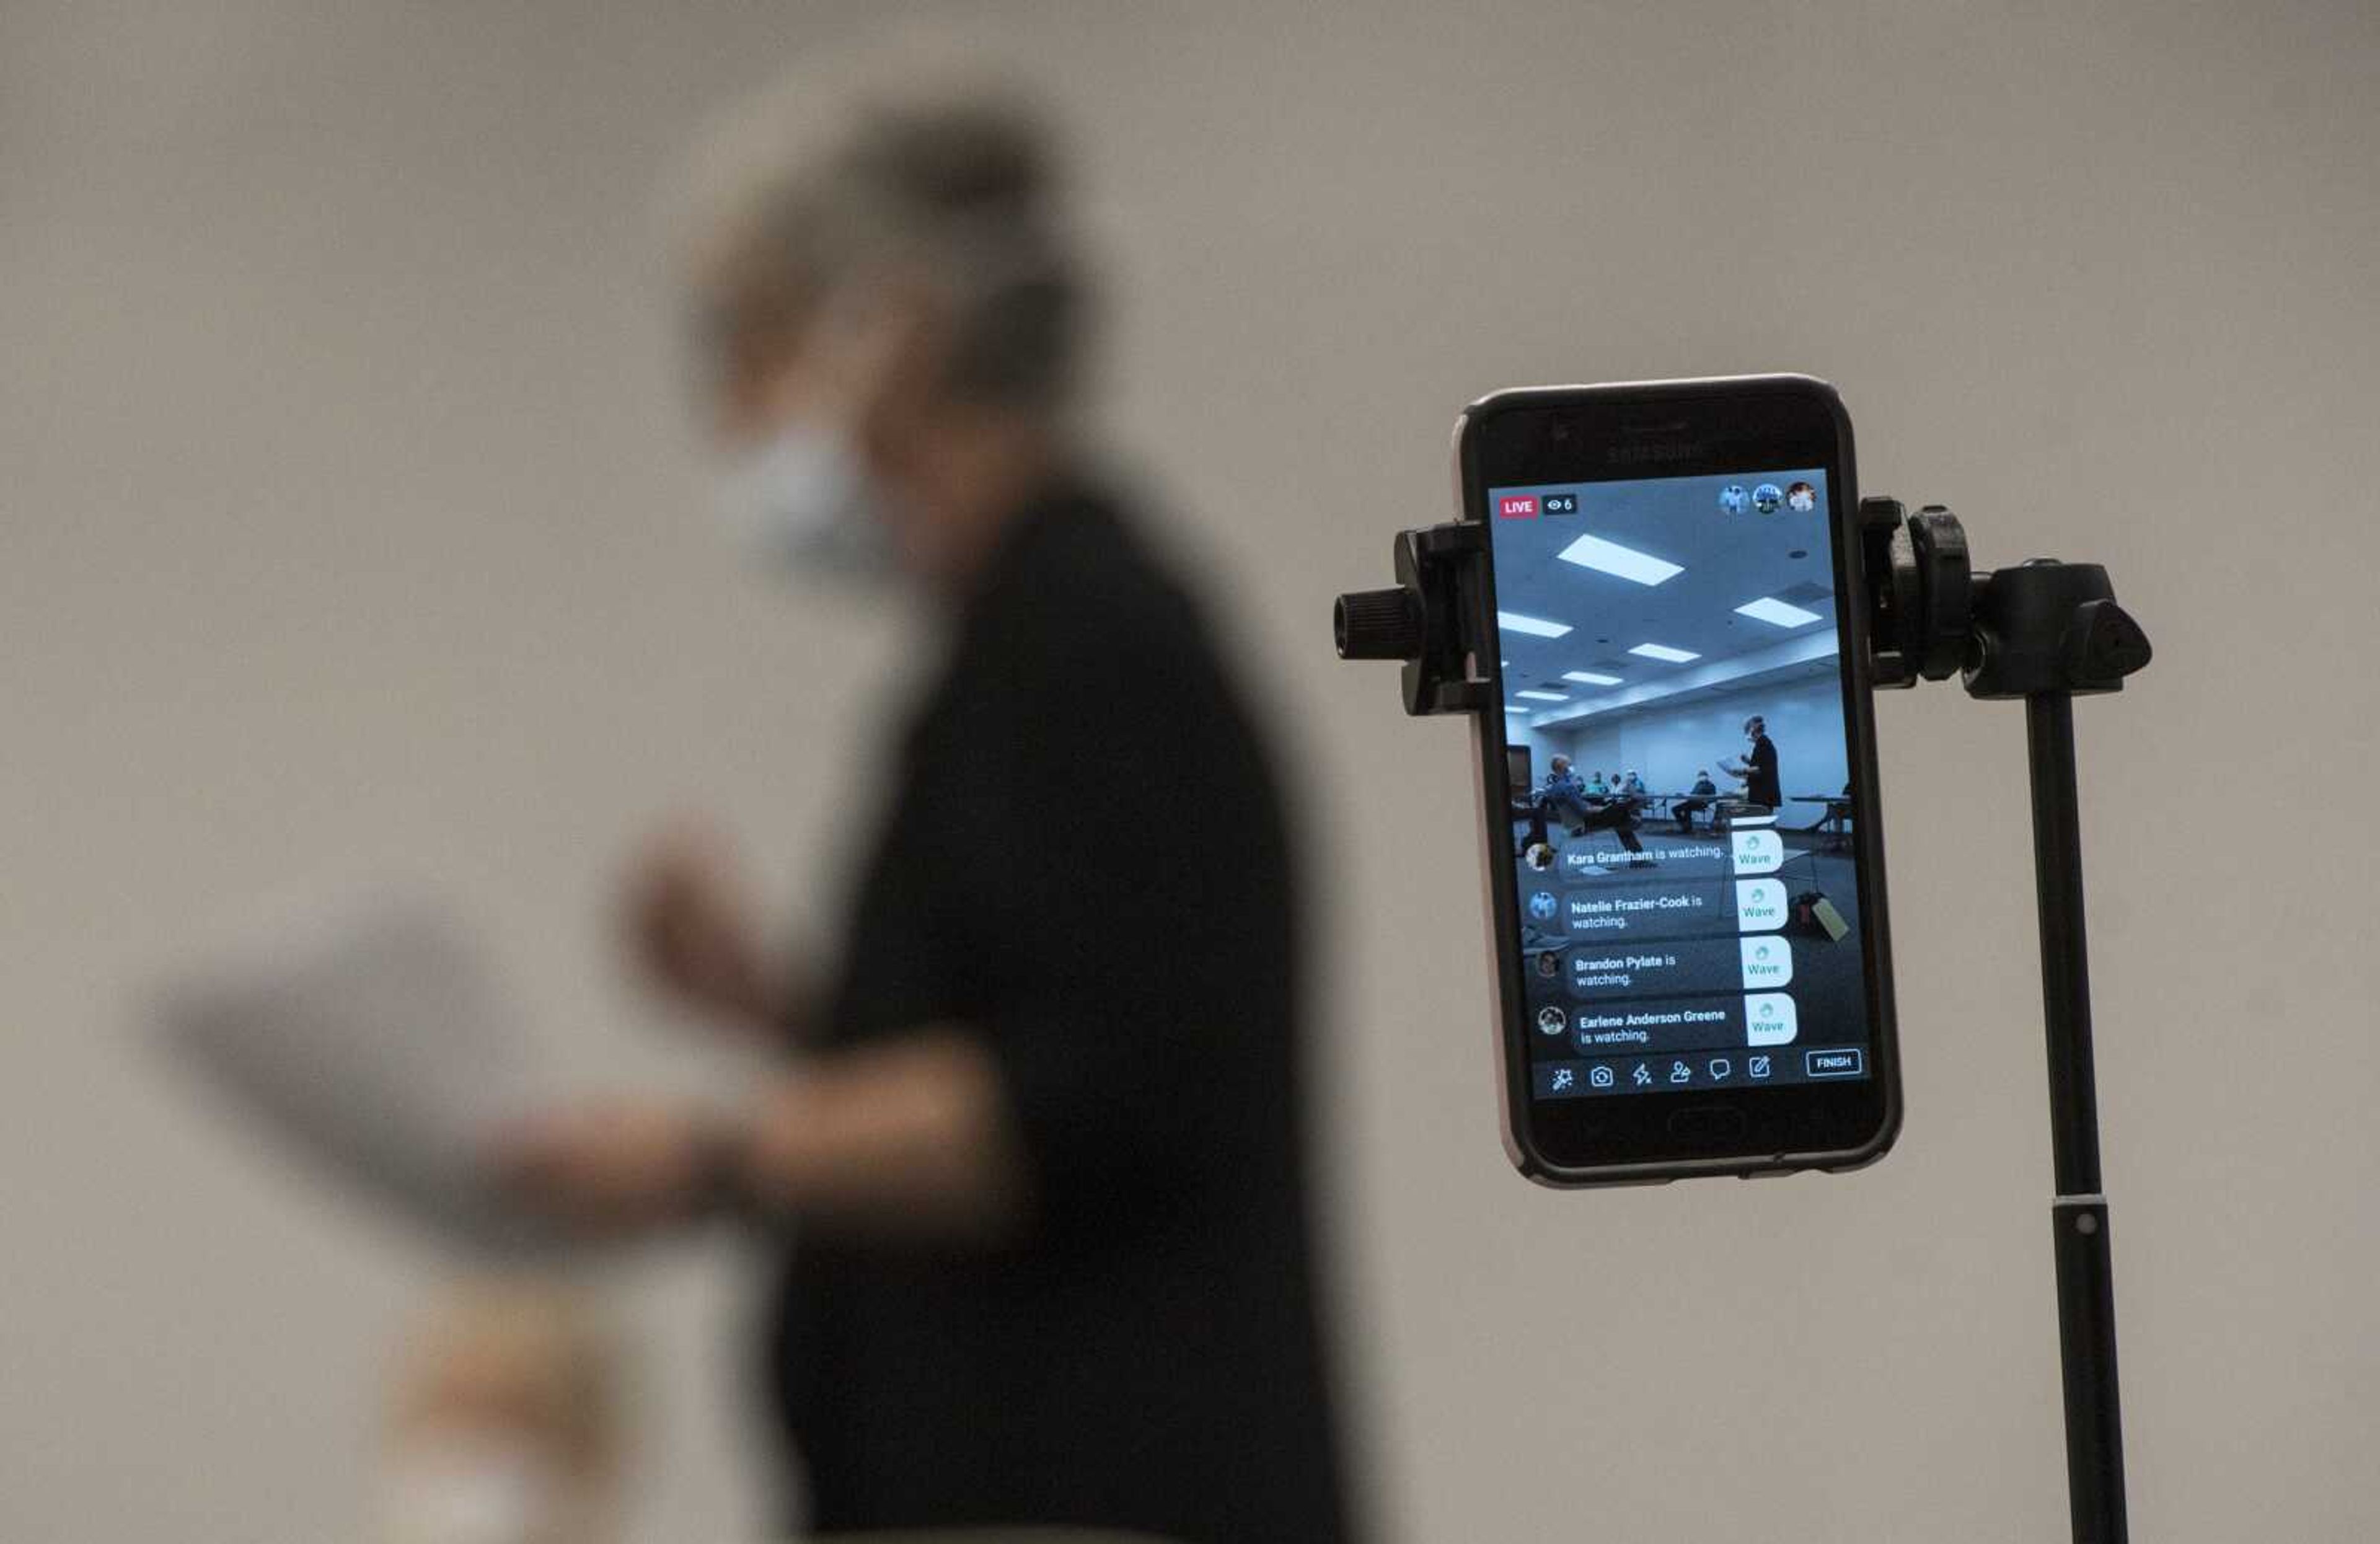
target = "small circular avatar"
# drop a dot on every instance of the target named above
(1734, 499)
(1801, 498)
(1543, 904)
(1766, 497)
(1551, 1020)
(1548, 966)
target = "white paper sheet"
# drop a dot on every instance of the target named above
(369, 1036)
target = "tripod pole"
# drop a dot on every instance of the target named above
(2086, 1303)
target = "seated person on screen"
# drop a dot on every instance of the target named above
(1563, 792)
(1704, 790)
(1565, 795)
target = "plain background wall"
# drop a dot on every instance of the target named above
(350, 521)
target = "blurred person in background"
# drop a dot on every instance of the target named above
(503, 1424)
(1037, 1151)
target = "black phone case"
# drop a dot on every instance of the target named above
(1489, 780)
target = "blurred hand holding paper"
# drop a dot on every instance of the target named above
(369, 1036)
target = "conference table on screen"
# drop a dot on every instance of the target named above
(1835, 826)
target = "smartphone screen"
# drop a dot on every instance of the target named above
(1695, 888)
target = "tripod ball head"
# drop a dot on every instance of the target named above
(2040, 626)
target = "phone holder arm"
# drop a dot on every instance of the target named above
(1436, 620)
(2042, 626)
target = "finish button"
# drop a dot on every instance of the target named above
(1833, 1063)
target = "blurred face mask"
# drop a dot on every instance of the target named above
(804, 501)
(480, 1492)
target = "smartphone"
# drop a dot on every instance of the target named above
(1684, 869)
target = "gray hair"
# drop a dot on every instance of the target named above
(936, 174)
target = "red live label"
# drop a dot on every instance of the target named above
(1520, 506)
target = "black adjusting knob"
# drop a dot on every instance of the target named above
(1378, 624)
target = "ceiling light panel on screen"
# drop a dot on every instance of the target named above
(1589, 678)
(1776, 613)
(1663, 653)
(1610, 557)
(1536, 626)
(1544, 695)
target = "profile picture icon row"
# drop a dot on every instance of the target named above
(1767, 498)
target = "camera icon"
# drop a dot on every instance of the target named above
(1600, 1077)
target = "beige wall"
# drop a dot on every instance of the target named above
(347, 521)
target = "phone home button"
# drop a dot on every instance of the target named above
(1707, 1123)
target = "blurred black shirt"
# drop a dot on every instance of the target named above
(1083, 854)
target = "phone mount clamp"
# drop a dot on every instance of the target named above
(1430, 620)
(2044, 631)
